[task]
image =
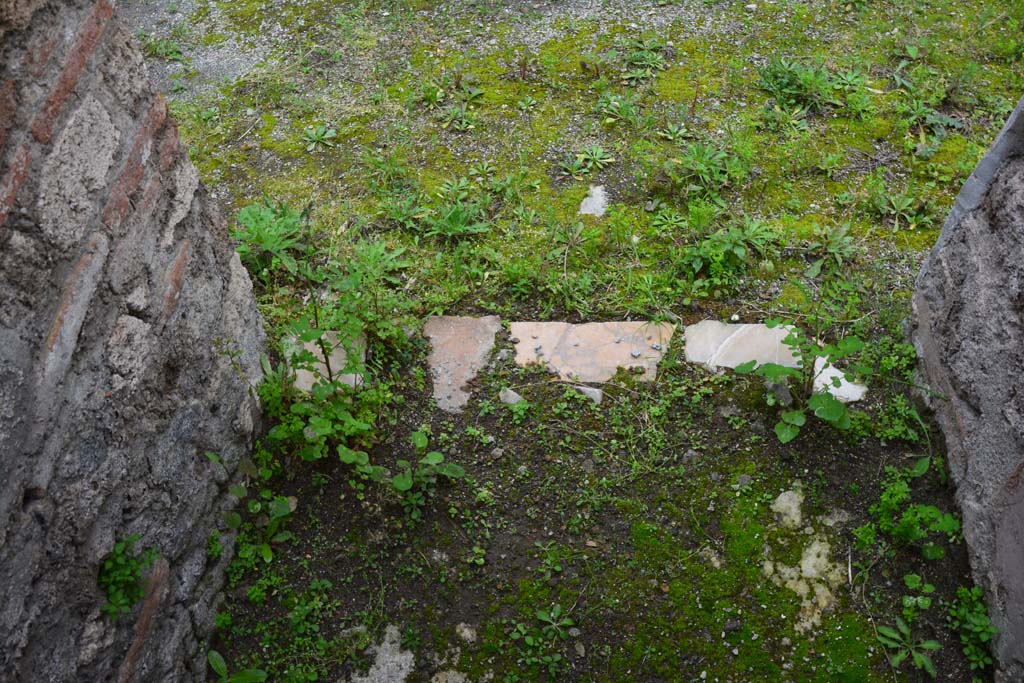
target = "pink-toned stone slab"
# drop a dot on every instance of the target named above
(593, 352)
(459, 347)
(305, 379)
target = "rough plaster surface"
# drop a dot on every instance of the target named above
(969, 332)
(119, 295)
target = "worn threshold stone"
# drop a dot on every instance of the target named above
(593, 352)
(459, 349)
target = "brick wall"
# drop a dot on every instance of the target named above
(120, 297)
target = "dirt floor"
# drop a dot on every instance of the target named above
(381, 162)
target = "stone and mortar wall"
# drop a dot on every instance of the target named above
(969, 332)
(120, 298)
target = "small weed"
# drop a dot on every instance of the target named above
(220, 668)
(904, 645)
(320, 135)
(969, 616)
(120, 576)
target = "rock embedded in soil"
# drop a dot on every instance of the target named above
(593, 352)
(459, 347)
(594, 394)
(787, 507)
(391, 664)
(509, 397)
(969, 334)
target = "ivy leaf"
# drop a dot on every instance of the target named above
(432, 458)
(786, 432)
(402, 481)
(795, 418)
(451, 470)
(745, 368)
(827, 407)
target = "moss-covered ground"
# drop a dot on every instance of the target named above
(772, 159)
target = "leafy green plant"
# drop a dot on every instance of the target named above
(120, 576)
(789, 120)
(796, 84)
(549, 558)
(702, 170)
(831, 248)
(903, 645)
(822, 405)
(643, 57)
(969, 616)
(555, 623)
(456, 220)
(721, 257)
(519, 411)
(918, 602)
(320, 135)
(669, 222)
(415, 482)
(272, 513)
(907, 522)
(432, 94)
(615, 108)
(574, 167)
(269, 235)
(595, 158)
(457, 117)
(527, 104)
(220, 668)
(166, 49)
(675, 132)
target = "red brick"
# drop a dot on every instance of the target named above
(173, 280)
(79, 287)
(89, 34)
(152, 191)
(8, 109)
(119, 204)
(11, 182)
(72, 288)
(170, 146)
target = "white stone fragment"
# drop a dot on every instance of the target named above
(595, 395)
(595, 203)
(787, 507)
(509, 397)
(846, 392)
(721, 345)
